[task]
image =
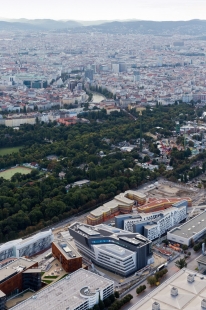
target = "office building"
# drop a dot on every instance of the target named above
(26, 247)
(122, 67)
(111, 248)
(189, 232)
(89, 73)
(186, 290)
(121, 203)
(115, 67)
(153, 225)
(80, 290)
(157, 204)
(20, 275)
(136, 76)
(67, 255)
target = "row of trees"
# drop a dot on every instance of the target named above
(111, 303)
(152, 280)
(120, 303)
(181, 263)
(140, 289)
(102, 91)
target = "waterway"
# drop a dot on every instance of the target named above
(97, 97)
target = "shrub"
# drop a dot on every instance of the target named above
(101, 305)
(116, 294)
(151, 280)
(112, 298)
(107, 302)
(140, 289)
(184, 247)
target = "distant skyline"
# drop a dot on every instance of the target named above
(158, 10)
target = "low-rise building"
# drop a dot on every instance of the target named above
(26, 247)
(20, 275)
(190, 231)
(186, 290)
(153, 225)
(158, 204)
(67, 255)
(80, 290)
(121, 203)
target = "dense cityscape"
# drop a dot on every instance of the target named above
(102, 166)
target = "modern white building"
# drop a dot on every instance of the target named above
(154, 224)
(192, 230)
(80, 290)
(26, 247)
(186, 290)
(113, 249)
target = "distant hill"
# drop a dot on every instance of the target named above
(37, 24)
(192, 27)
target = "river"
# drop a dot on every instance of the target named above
(97, 97)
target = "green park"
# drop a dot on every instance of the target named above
(8, 174)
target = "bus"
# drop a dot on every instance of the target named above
(48, 255)
(161, 267)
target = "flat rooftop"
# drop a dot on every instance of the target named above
(66, 248)
(192, 227)
(189, 295)
(15, 267)
(118, 251)
(65, 294)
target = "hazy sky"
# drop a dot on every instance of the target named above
(105, 9)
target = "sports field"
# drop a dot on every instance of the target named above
(7, 174)
(9, 150)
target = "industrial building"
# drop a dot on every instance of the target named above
(186, 290)
(67, 255)
(153, 225)
(113, 249)
(26, 247)
(121, 203)
(80, 290)
(189, 232)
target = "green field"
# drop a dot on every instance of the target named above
(9, 150)
(7, 174)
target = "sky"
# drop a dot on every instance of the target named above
(105, 9)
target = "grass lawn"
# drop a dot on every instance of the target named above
(47, 281)
(7, 174)
(9, 150)
(63, 276)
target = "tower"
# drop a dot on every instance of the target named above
(140, 145)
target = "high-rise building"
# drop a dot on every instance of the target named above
(115, 68)
(136, 76)
(122, 67)
(89, 73)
